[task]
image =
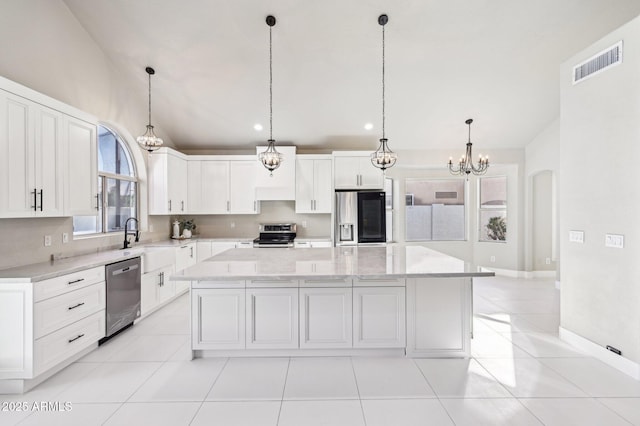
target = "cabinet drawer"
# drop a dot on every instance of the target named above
(66, 283)
(274, 283)
(58, 346)
(57, 312)
(326, 282)
(382, 282)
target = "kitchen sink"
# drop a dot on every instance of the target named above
(157, 257)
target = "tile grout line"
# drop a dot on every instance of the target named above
(284, 386)
(355, 379)
(433, 390)
(209, 391)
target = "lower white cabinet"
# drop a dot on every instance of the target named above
(186, 255)
(218, 317)
(156, 288)
(272, 318)
(325, 317)
(379, 317)
(439, 317)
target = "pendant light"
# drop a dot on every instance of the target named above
(271, 158)
(383, 158)
(465, 165)
(149, 140)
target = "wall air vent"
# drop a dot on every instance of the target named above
(446, 195)
(597, 63)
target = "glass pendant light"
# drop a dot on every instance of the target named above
(149, 140)
(383, 158)
(271, 158)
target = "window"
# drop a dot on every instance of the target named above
(493, 209)
(117, 187)
(435, 210)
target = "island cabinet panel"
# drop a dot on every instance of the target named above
(379, 317)
(272, 318)
(218, 318)
(326, 318)
(439, 317)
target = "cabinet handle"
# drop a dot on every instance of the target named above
(76, 306)
(76, 338)
(35, 199)
(191, 252)
(228, 206)
(75, 281)
(41, 191)
(254, 206)
(161, 281)
(182, 205)
(311, 204)
(97, 201)
(169, 205)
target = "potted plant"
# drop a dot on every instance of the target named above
(188, 225)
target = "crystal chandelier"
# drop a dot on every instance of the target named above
(149, 140)
(271, 158)
(465, 165)
(383, 158)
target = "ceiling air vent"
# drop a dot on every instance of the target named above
(597, 63)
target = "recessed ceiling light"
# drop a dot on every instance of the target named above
(257, 127)
(368, 126)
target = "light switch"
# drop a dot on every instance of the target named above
(614, 240)
(576, 236)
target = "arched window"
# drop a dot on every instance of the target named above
(117, 187)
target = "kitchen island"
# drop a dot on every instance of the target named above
(385, 300)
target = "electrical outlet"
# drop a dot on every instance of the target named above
(547, 261)
(613, 240)
(150, 228)
(304, 223)
(492, 259)
(576, 236)
(65, 237)
(47, 240)
(233, 224)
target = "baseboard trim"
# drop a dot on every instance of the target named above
(520, 274)
(616, 361)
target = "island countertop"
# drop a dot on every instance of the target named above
(370, 262)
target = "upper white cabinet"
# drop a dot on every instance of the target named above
(314, 184)
(167, 182)
(31, 153)
(282, 185)
(219, 184)
(81, 195)
(353, 170)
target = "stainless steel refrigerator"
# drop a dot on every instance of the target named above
(360, 218)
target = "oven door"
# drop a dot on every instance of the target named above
(371, 217)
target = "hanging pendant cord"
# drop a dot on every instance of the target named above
(270, 87)
(469, 132)
(149, 99)
(383, 130)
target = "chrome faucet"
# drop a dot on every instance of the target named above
(127, 232)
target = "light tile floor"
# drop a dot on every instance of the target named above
(520, 374)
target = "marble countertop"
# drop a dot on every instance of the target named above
(392, 261)
(45, 270)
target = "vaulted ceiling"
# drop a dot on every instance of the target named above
(496, 61)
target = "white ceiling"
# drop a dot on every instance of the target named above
(496, 61)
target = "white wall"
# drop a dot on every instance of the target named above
(45, 48)
(600, 134)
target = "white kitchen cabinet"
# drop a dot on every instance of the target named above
(242, 187)
(312, 244)
(325, 318)
(379, 317)
(186, 255)
(206, 249)
(81, 190)
(156, 288)
(167, 182)
(31, 155)
(208, 184)
(353, 170)
(218, 317)
(272, 318)
(314, 184)
(439, 317)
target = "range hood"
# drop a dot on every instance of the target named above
(282, 185)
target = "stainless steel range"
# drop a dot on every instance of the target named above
(276, 235)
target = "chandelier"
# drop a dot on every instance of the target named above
(149, 140)
(383, 158)
(271, 158)
(465, 165)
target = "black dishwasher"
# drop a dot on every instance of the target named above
(123, 295)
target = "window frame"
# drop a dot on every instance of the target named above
(496, 209)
